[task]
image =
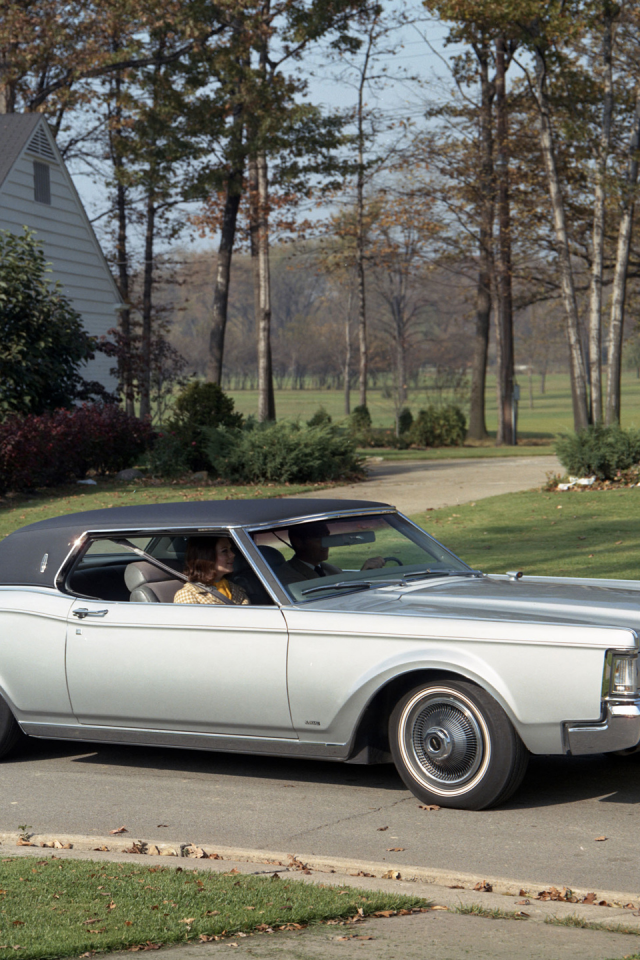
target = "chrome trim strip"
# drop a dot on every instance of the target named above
(188, 741)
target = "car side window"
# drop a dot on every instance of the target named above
(107, 571)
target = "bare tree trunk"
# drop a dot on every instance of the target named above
(618, 293)
(266, 400)
(477, 419)
(595, 287)
(122, 251)
(503, 265)
(360, 229)
(220, 305)
(147, 307)
(576, 355)
(347, 359)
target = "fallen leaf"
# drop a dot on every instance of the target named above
(97, 930)
(18, 923)
(391, 875)
(384, 913)
(522, 893)
(456, 886)
(212, 913)
(92, 920)
(600, 839)
(437, 906)
(382, 829)
(582, 538)
(249, 908)
(162, 825)
(24, 843)
(103, 849)
(521, 913)
(618, 542)
(187, 920)
(429, 806)
(128, 923)
(589, 898)
(118, 830)
(482, 886)
(523, 903)
(395, 849)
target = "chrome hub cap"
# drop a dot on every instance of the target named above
(444, 741)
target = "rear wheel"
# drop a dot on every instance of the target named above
(10, 732)
(454, 746)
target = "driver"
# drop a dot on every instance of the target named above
(311, 555)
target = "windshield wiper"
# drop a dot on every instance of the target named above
(442, 573)
(346, 584)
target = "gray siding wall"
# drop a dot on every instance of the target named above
(69, 244)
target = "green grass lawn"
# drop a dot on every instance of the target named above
(590, 533)
(21, 510)
(458, 453)
(551, 413)
(62, 908)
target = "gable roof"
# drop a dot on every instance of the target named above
(15, 130)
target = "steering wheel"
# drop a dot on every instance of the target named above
(395, 560)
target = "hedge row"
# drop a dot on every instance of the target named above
(41, 451)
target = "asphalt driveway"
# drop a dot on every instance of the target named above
(415, 486)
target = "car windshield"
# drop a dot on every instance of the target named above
(357, 551)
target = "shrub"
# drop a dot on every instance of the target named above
(44, 343)
(444, 426)
(405, 421)
(41, 451)
(200, 406)
(169, 456)
(360, 419)
(598, 450)
(320, 416)
(282, 453)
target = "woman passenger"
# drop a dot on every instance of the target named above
(207, 562)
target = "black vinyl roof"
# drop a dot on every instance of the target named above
(22, 552)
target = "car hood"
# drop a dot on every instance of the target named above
(540, 599)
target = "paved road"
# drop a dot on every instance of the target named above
(414, 486)
(547, 833)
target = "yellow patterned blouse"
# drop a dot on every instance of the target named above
(192, 593)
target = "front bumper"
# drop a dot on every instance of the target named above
(619, 730)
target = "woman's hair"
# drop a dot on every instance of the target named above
(200, 558)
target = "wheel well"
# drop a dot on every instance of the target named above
(371, 741)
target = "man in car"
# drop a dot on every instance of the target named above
(310, 559)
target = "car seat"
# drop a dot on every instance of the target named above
(149, 584)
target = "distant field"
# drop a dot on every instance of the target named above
(551, 413)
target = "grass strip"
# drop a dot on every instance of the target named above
(589, 533)
(460, 453)
(54, 908)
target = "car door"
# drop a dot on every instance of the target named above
(202, 668)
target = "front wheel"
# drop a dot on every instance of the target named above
(454, 746)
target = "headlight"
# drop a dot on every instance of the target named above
(620, 674)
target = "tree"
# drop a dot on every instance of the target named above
(43, 344)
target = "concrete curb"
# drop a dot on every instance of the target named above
(358, 869)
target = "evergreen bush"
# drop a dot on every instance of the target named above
(405, 421)
(598, 450)
(198, 407)
(319, 417)
(282, 452)
(439, 426)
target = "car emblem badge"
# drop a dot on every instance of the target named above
(44, 562)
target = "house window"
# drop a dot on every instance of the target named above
(41, 183)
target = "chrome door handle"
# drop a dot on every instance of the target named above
(83, 612)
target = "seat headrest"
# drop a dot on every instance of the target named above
(273, 557)
(143, 572)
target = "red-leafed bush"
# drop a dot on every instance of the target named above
(41, 451)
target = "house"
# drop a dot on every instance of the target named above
(36, 191)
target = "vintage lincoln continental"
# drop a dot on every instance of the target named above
(340, 631)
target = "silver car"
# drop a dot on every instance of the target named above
(363, 640)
